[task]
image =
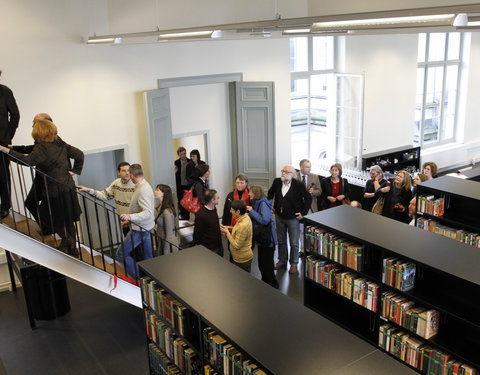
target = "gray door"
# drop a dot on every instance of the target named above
(159, 137)
(253, 131)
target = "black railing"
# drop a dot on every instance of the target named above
(74, 222)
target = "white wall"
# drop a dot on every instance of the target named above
(388, 63)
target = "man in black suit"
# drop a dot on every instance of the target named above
(181, 180)
(9, 118)
(292, 202)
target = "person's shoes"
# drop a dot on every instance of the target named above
(279, 265)
(293, 269)
(3, 214)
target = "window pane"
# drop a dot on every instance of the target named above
(319, 104)
(433, 104)
(419, 104)
(299, 119)
(422, 40)
(453, 46)
(322, 52)
(450, 101)
(299, 54)
(436, 51)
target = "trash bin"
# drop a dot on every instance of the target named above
(45, 291)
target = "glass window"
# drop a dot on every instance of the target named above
(437, 88)
(312, 67)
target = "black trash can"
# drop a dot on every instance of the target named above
(45, 291)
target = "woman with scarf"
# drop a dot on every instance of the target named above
(240, 193)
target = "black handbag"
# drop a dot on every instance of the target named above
(262, 234)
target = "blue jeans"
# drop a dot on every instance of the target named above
(292, 226)
(132, 240)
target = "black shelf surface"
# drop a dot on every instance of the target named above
(442, 253)
(452, 186)
(390, 151)
(278, 332)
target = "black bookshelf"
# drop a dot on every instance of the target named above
(447, 279)
(395, 159)
(461, 202)
(278, 333)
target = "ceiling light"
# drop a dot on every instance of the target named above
(296, 31)
(100, 40)
(187, 35)
(388, 22)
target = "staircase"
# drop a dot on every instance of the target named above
(98, 235)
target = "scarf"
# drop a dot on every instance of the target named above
(245, 197)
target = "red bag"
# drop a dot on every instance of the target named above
(189, 202)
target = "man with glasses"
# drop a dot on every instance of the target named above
(291, 202)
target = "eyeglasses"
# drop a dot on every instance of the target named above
(284, 171)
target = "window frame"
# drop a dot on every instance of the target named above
(444, 64)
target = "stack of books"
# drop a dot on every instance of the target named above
(398, 273)
(334, 247)
(348, 284)
(417, 354)
(173, 347)
(431, 206)
(400, 310)
(224, 358)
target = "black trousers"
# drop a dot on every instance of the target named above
(5, 184)
(266, 265)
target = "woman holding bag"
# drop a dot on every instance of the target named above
(262, 220)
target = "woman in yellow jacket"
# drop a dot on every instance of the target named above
(241, 237)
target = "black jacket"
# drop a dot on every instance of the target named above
(9, 115)
(327, 191)
(178, 179)
(297, 199)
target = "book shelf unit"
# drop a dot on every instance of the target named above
(396, 159)
(461, 206)
(276, 332)
(446, 280)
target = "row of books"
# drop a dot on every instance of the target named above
(167, 307)
(419, 355)
(429, 205)
(224, 358)
(334, 247)
(171, 345)
(398, 309)
(159, 362)
(345, 283)
(398, 273)
(461, 235)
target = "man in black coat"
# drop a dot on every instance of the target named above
(292, 202)
(181, 180)
(9, 118)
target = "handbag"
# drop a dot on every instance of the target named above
(346, 200)
(262, 234)
(189, 202)
(378, 206)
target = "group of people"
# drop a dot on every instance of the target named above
(396, 198)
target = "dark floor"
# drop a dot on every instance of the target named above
(100, 334)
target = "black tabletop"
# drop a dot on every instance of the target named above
(431, 249)
(281, 334)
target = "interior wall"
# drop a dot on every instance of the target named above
(388, 63)
(94, 92)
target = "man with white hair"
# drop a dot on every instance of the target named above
(291, 202)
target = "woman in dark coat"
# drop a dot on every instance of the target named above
(51, 156)
(335, 189)
(398, 198)
(194, 162)
(240, 192)
(200, 185)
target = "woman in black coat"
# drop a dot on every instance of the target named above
(200, 184)
(51, 156)
(194, 162)
(398, 198)
(335, 189)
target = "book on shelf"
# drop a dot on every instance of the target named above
(398, 273)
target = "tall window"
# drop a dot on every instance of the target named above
(312, 67)
(438, 78)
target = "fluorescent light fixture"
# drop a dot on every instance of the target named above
(296, 31)
(100, 40)
(385, 23)
(187, 35)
